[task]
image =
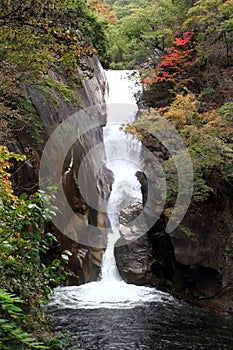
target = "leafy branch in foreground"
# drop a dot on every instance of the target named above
(25, 279)
(11, 333)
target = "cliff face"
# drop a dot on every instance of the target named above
(52, 105)
(195, 261)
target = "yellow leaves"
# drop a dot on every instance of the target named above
(103, 10)
(17, 235)
(168, 212)
(183, 111)
(133, 129)
(178, 116)
(6, 192)
(184, 114)
(212, 120)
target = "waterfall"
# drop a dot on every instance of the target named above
(123, 153)
(123, 157)
(109, 271)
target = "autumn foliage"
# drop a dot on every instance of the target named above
(103, 10)
(176, 64)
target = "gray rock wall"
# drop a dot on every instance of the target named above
(85, 261)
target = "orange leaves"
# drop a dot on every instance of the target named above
(171, 59)
(225, 72)
(184, 114)
(174, 64)
(180, 41)
(185, 39)
(148, 81)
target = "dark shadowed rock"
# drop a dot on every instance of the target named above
(195, 261)
(134, 253)
(203, 249)
(51, 109)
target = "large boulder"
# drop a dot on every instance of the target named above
(133, 256)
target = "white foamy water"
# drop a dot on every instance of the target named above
(123, 153)
(106, 294)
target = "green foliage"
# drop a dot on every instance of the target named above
(212, 17)
(212, 21)
(89, 25)
(11, 333)
(144, 30)
(50, 87)
(22, 244)
(186, 231)
(207, 137)
(226, 111)
(35, 38)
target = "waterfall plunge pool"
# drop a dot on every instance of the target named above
(164, 324)
(110, 314)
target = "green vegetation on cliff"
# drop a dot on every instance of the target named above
(183, 50)
(39, 42)
(38, 37)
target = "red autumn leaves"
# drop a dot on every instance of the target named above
(173, 66)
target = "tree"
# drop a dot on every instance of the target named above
(175, 64)
(145, 28)
(177, 71)
(103, 10)
(213, 19)
(37, 36)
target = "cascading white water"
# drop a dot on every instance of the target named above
(123, 153)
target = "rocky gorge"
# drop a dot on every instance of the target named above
(52, 105)
(193, 262)
(116, 175)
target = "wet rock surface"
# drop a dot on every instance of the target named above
(203, 251)
(133, 252)
(85, 261)
(194, 262)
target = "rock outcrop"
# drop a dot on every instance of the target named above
(141, 259)
(133, 251)
(53, 106)
(195, 261)
(203, 250)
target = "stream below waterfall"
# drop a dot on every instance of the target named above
(110, 314)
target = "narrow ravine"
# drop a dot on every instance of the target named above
(123, 158)
(109, 313)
